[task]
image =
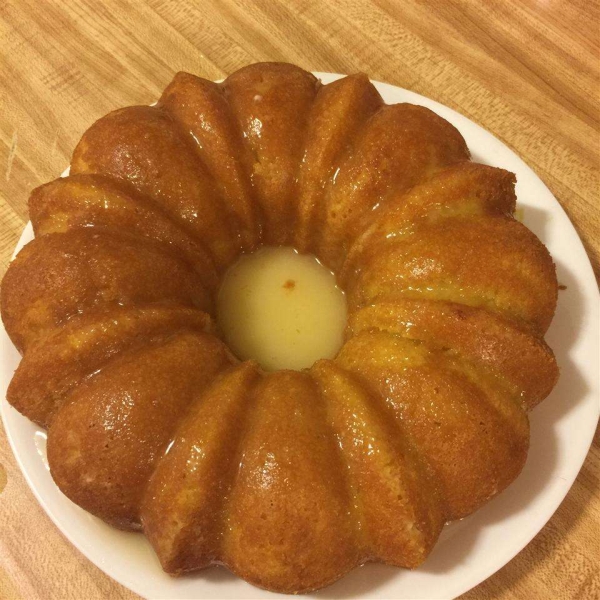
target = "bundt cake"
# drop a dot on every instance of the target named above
(289, 478)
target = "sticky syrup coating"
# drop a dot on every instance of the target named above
(292, 478)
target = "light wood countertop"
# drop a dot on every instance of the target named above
(528, 71)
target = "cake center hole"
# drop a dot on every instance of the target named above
(281, 308)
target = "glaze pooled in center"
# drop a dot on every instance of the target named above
(282, 309)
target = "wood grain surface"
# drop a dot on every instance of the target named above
(527, 71)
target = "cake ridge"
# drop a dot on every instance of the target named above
(366, 412)
(68, 355)
(215, 126)
(368, 100)
(489, 190)
(380, 163)
(130, 410)
(428, 399)
(104, 202)
(176, 555)
(59, 275)
(270, 103)
(142, 145)
(531, 369)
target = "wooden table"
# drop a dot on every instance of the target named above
(527, 71)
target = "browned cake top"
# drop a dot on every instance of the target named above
(292, 478)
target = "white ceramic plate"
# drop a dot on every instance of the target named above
(468, 551)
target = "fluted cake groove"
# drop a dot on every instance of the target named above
(293, 478)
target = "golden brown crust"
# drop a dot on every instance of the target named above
(68, 355)
(98, 201)
(399, 146)
(271, 103)
(201, 109)
(491, 262)
(104, 442)
(396, 506)
(289, 479)
(523, 360)
(59, 275)
(141, 145)
(339, 112)
(445, 415)
(182, 510)
(464, 189)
